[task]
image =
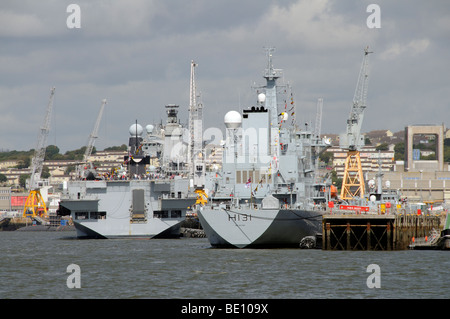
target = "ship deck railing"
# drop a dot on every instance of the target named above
(374, 211)
(162, 177)
(432, 239)
(258, 206)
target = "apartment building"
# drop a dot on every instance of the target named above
(370, 159)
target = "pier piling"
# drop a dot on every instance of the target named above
(374, 232)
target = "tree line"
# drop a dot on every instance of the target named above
(52, 152)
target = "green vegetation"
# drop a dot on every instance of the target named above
(382, 147)
(122, 147)
(447, 150)
(23, 157)
(336, 180)
(400, 150)
(52, 152)
(326, 157)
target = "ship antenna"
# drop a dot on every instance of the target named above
(269, 71)
(136, 139)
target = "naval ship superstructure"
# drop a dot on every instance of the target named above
(266, 193)
(146, 198)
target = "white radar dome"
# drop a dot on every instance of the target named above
(135, 129)
(261, 98)
(149, 128)
(233, 119)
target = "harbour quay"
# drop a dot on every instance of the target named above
(350, 231)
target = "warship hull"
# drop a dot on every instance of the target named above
(125, 209)
(102, 229)
(265, 194)
(262, 228)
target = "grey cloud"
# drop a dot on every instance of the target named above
(136, 54)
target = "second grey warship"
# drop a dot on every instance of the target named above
(266, 193)
(147, 198)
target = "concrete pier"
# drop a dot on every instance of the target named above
(374, 232)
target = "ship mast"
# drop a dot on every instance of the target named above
(271, 75)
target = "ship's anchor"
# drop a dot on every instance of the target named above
(201, 197)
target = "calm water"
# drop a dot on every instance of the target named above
(34, 265)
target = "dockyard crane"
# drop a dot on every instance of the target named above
(84, 169)
(35, 205)
(318, 124)
(195, 153)
(317, 131)
(352, 140)
(192, 115)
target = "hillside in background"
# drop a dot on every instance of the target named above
(52, 153)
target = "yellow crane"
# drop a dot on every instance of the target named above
(352, 140)
(35, 205)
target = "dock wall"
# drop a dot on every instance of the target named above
(374, 232)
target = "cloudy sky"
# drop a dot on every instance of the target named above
(137, 55)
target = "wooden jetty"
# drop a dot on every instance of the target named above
(374, 231)
(434, 240)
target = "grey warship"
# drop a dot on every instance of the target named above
(146, 198)
(266, 195)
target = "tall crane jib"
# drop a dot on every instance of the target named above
(318, 124)
(94, 133)
(35, 205)
(353, 140)
(196, 152)
(85, 170)
(193, 115)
